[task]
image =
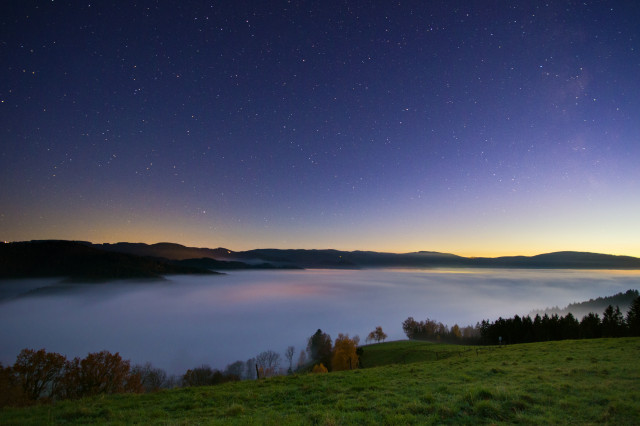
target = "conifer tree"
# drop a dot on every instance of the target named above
(633, 317)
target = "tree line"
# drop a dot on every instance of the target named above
(526, 329)
(439, 332)
(580, 309)
(41, 376)
(543, 328)
(45, 376)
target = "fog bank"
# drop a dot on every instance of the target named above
(186, 321)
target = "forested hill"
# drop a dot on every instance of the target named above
(369, 259)
(78, 261)
(217, 259)
(165, 250)
(84, 260)
(622, 300)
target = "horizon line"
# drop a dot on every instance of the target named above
(519, 254)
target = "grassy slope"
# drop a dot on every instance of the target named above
(589, 381)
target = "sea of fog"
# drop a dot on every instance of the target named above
(187, 321)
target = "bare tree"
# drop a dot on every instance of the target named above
(250, 371)
(268, 363)
(151, 378)
(235, 370)
(172, 382)
(302, 359)
(289, 355)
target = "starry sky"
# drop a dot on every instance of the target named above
(480, 128)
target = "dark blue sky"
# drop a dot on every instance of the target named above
(478, 128)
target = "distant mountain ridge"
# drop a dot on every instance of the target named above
(81, 262)
(170, 251)
(330, 258)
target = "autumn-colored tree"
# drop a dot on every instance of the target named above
(38, 372)
(455, 332)
(411, 328)
(98, 373)
(11, 393)
(344, 354)
(319, 368)
(377, 335)
(427, 329)
(69, 385)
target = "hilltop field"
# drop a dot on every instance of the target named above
(404, 382)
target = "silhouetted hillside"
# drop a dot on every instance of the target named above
(208, 263)
(165, 250)
(563, 260)
(80, 262)
(351, 259)
(367, 259)
(222, 258)
(597, 305)
(218, 259)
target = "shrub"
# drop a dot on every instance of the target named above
(319, 368)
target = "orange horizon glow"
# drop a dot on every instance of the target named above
(468, 253)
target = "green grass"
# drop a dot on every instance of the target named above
(407, 352)
(579, 382)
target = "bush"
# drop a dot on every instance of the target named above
(38, 372)
(38, 376)
(11, 393)
(98, 373)
(319, 368)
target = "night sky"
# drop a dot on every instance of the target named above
(479, 128)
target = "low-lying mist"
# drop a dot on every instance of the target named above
(187, 321)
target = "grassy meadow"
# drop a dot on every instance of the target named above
(405, 382)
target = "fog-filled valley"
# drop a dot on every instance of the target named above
(187, 321)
